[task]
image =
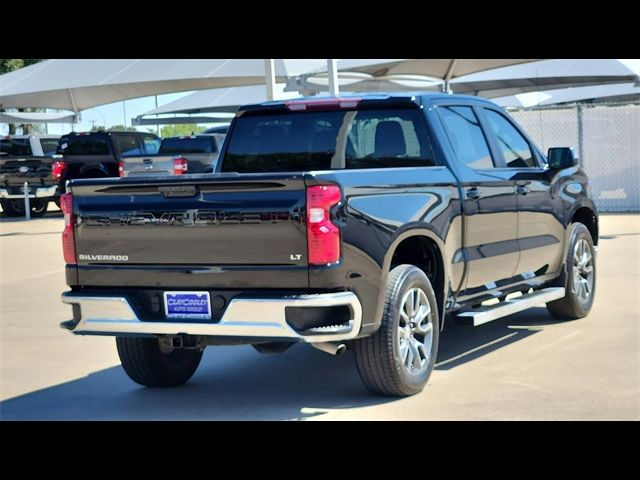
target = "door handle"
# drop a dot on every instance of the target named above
(523, 189)
(473, 193)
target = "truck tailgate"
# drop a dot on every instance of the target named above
(233, 230)
(33, 170)
(148, 165)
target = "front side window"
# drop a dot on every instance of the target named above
(329, 140)
(467, 138)
(514, 147)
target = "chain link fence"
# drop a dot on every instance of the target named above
(607, 138)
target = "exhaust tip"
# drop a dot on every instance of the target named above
(331, 348)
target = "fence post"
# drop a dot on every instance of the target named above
(580, 136)
(27, 207)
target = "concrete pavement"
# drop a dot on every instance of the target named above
(526, 366)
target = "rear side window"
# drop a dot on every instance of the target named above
(467, 138)
(83, 145)
(514, 147)
(49, 145)
(127, 144)
(329, 140)
(15, 147)
(151, 145)
(188, 145)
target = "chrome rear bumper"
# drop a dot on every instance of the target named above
(41, 192)
(244, 317)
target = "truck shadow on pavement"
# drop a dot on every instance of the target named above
(238, 383)
(460, 344)
(232, 383)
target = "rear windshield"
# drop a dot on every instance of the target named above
(15, 146)
(188, 145)
(49, 145)
(83, 145)
(328, 140)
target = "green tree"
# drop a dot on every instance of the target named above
(120, 128)
(9, 65)
(181, 129)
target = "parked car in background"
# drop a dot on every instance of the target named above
(97, 154)
(176, 156)
(27, 158)
(222, 129)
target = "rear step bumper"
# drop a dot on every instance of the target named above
(40, 192)
(244, 317)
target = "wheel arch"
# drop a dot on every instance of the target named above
(589, 218)
(424, 249)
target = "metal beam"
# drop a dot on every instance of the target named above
(270, 78)
(332, 71)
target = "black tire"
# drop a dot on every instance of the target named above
(378, 359)
(39, 207)
(146, 364)
(572, 306)
(12, 207)
(15, 207)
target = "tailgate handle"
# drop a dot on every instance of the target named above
(179, 191)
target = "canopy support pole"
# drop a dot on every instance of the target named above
(446, 86)
(270, 78)
(332, 70)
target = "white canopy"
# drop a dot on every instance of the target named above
(526, 76)
(218, 100)
(595, 93)
(547, 74)
(36, 117)
(80, 84)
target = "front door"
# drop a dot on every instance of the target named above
(490, 244)
(540, 231)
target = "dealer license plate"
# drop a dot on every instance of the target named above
(187, 305)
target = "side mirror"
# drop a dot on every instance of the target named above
(562, 157)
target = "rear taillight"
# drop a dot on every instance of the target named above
(180, 166)
(121, 168)
(58, 168)
(68, 234)
(323, 237)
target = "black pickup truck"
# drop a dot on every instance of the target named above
(347, 223)
(98, 154)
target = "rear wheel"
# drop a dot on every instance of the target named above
(150, 364)
(14, 207)
(399, 358)
(39, 207)
(581, 277)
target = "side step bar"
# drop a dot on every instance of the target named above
(489, 313)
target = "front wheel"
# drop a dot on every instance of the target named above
(398, 359)
(581, 277)
(150, 364)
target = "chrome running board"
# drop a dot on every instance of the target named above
(489, 313)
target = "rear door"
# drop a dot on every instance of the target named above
(490, 238)
(540, 231)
